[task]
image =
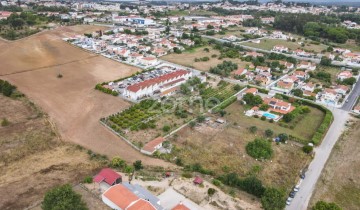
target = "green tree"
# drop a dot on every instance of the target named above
(166, 128)
(307, 149)
(322, 205)
(325, 61)
(138, 165)
(62, 198)
(252, 100)
(117, 162)
(211, 192)
(269, 133)
(297, 92)
(253, 129)
(259, 148)
(273, 199)
(200, 118)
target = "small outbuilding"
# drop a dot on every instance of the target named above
(108, 176)
(198, 180)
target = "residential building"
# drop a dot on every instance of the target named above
(279, 106)
(280, 48)
(344, 75)
(121, 198)
(156, 85)
(108, 177)
(152, 146)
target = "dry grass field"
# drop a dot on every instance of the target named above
(187, 58)
(33, 159)
(340, 179)
(32, 64)
(221, 148)
(268, 44)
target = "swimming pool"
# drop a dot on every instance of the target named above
(269, 115)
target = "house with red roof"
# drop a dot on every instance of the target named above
(279, 106)
(253, 91)
(302, 75)
(152, 146)
(240, 71)
(344, 75)
(108, 176)
(159, 84)
(357, 109)
(180, 206)
(121, 198)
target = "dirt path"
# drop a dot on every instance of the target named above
(71, 102)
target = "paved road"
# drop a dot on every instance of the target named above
(352, 97)
(302, 198)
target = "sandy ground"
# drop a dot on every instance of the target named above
(340, 179)
(33, 64)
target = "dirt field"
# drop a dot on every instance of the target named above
(187, 59)
(340, 179)
(33, 159)
(33, 63)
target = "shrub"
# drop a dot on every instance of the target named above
(253, 129)
(187, 175)
(259, 148)
(166, 128)
(269, 133)
(5, 122)
(322, 205)
(307, 149)
(138, 165)
(273, 199)
(88, 180)
(216, 182)
(263, 118)
(62, 197)
(117, 162)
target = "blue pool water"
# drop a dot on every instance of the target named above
(269, 115)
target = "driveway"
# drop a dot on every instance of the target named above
(302, 198)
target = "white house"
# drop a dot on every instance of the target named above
(344, 75)
(152, 86)
(148, 61)
(152, 146)
(280, 48)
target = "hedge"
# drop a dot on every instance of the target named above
(225, 104)
(324, 126)
(106, 90)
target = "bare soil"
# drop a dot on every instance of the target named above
(33, 63)
(340, 179)
(33, 159)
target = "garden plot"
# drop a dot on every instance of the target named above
(150, 118)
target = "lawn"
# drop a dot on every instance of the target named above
(268, 44)
(304, 129)
(187, 58)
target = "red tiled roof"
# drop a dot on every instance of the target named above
(147, 83)
(180, 206)
(120, 196)
(141, 205)
(251, 90)
(239, 71)
(107, 175)
(150, 146)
